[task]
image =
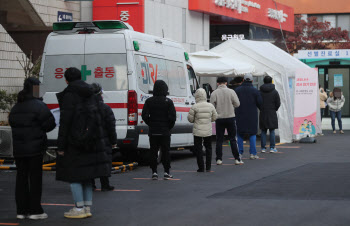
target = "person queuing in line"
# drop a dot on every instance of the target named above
(247, 114)
(30, 120)
(236, 82)
(225, 101)
(323, 99)
(110, 132)
(160, 115)
(268, 114)
(335, 103)
(82, 145)
(202, 114)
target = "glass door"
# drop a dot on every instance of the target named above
(339, 77)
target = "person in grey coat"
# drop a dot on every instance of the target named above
(268, 114)
(225, 101)
(247, 114)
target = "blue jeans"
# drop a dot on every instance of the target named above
(272, 138)
(338, 115)
(82, 193)
(252, 144)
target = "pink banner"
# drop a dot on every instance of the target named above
(305, 101)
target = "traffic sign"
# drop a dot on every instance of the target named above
(64, 16)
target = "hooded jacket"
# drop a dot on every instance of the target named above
(30, 120)
(271, 103)
(79, 165)
(335, 104)
(323, 99)
(247, 112)
(159, 111)
(202, 114)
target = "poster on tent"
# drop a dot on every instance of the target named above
(305, 102)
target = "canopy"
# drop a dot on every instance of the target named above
(209, 64)
(281, 66)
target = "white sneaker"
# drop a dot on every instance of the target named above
(218, 162)
(253, 156)
(38, 216)
(263, 150)
(239, 162)
(87, 211)
(21, 216)
(75, 213)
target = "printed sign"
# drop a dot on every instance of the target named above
(64, 16)
(305, 101)
(324, 54)
(338, 80)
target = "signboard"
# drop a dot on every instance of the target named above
(338, 80)
(131, 12)
(305, 102)
(324, 54)
(64, 16)
(254, 11)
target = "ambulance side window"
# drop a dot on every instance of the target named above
(149, 70)
(177, 79)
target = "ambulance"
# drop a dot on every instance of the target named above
(126, 64)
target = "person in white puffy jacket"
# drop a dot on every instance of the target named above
(335, 103)
(202, 114)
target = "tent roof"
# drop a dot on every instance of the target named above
(266, 57)
(210, 64)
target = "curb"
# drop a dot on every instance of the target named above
(123, 168)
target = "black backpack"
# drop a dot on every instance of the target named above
(86, 124)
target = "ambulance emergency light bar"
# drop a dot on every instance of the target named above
(95, 25)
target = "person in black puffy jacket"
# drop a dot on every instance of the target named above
(30, 120)
(160, 115)
(268, 114)
(77, 165)
(109, 127)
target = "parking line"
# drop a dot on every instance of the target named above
(249, 158)
(119, 190)
(53, 204)
(9, 223)
(187, 171)
(152, 179)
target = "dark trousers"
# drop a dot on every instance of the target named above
(230, 125)
(29, 185)
(322, 113)
(198, 147)
(162, 142)
(104, 182)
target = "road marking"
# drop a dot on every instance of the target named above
(119, 190)
(187, 171)
(247, 158)
(152, 179)
(53, 204)
(9, 223)
(226, 164)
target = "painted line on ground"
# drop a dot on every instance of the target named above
(119, 190)
(152, 179)
(226, 165)
(54, 204)
(249, 158)
(9, 223)
(188, 171)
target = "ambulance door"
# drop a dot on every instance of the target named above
(105, 58)
(60, 53)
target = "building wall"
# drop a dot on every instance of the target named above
(173, 19)
(318, 6)
(47, 9)
(11, 72)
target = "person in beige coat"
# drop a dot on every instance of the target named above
(202, 114)
(323, 99)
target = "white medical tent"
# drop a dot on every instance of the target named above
(270, 60)
(209, 64)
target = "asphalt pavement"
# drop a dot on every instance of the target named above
(303, 184)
